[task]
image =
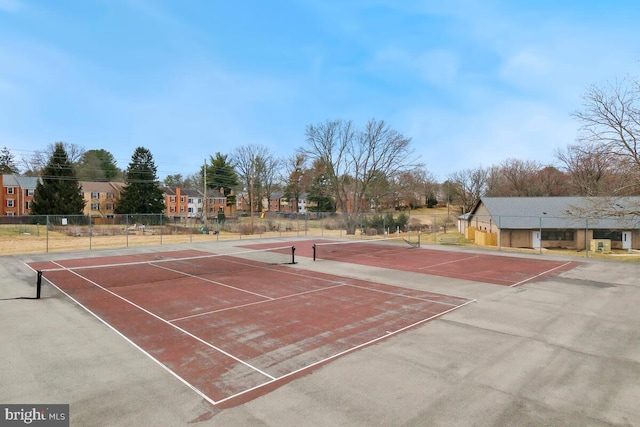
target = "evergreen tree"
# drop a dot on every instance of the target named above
(7, 162)
(58, 192)
(141, 194)
(98, 165)
(221, 176)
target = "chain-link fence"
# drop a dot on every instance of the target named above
(32, 233)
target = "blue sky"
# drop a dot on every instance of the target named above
(470, 82)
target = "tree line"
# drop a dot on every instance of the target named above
(353, 168)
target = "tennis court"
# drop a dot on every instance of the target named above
(552, 345)
(233, 326)
(394, 253)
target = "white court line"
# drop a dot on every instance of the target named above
(410, 296)
(538, 275)
(272, 379)
(172, 325)
(254, 303)
(450, 262)
(211, 281)
(162, 365)
(342, 353)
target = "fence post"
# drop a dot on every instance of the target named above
(47, 232)
(435, 229)
(39, 284)
(540, 239)
(586, 237)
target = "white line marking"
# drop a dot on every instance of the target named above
(408, 296)
(252, 303)
(272, 379)
(540, 274)
(162, 365)
(174, 326)
(344, 352)
(450, 262)
(211, 281)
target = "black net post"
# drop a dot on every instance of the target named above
(314, 251)
(293, 254)
(39, 284)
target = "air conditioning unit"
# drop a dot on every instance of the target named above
(600, 245)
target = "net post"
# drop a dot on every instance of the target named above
(293, 254)
(314, 251)
(39, 284)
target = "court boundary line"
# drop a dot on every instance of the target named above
(253, 303)
(450, 262)
(193, 276)
(342, 353)
(270, 378)
(172, 325)
(336, 285)
(136, 346)
(540, 274)
(468, 277)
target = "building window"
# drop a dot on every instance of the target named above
(9, 213)
(172, 199)
(557, 235)
(29, 192)
(9, 190)
(109, 195)
(95, 195)
(190, 210)
(181, 208)
(27, 205)
(612, 235)
(109, 206)
(181, 199)
(172, 209)
(95, 206)
(9, 203)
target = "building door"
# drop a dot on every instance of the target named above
(535, 239)
(626, 240)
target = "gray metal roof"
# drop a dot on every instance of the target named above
(24, 182)
(562, 212)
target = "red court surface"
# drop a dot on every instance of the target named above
(485, 268)
(233, 329)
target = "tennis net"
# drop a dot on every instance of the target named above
(345, 250)
(123, 270)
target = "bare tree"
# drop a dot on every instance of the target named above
(258, 170)
(469, 186)
(34, 165)
(417, 187)
(514, 178)
(297, 177)
(552, 182)
(355, 159)
(588, 165)
(610, 119)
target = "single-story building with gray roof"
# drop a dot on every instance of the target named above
(558, 222)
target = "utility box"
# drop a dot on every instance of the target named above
(600, 245)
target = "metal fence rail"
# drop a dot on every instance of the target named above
(33, 233)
